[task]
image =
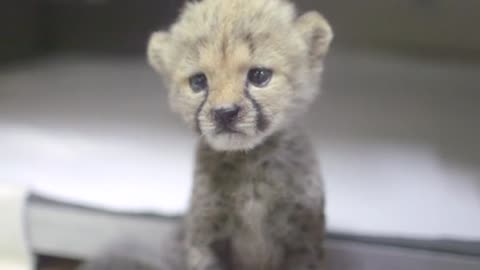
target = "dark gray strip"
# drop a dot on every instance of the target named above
(251, 44)
(197, 113)
(441, 245)
(262, 123)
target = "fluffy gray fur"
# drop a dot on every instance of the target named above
(261, 209)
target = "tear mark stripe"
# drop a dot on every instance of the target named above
(262, 123)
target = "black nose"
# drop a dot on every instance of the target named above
(225, 117)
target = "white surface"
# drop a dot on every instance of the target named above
(397, 139)
(117, 174)
(15, 253)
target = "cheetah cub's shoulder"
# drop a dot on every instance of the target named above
(241, 73)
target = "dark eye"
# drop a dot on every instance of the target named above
(260, 77)
(198, 82)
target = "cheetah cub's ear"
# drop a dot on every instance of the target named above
(158, 50)
(317, 33)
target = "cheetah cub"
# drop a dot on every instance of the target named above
(242, 73)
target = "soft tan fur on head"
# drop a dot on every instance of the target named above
(224, 40)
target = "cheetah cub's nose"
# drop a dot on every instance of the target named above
(226, 117)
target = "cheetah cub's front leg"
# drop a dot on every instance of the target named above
(207, 228)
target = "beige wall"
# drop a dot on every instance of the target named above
(447, 26)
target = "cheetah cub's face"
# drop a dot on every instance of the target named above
(238, 71)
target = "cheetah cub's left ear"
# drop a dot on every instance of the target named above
(157, 51)
(317, 33)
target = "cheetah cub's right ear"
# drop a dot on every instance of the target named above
(157, 51)
(317, 33)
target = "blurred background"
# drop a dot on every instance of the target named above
(85, 126)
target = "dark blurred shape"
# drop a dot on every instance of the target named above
(424, 27)
(118, 26)
(51, 263)
(433, 28)
(33, 27)
(19, 33)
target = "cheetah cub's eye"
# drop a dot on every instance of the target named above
(198, 82)
(260, 77)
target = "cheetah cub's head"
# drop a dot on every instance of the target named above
(238, 71)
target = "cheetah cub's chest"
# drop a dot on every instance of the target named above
(250, 245)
